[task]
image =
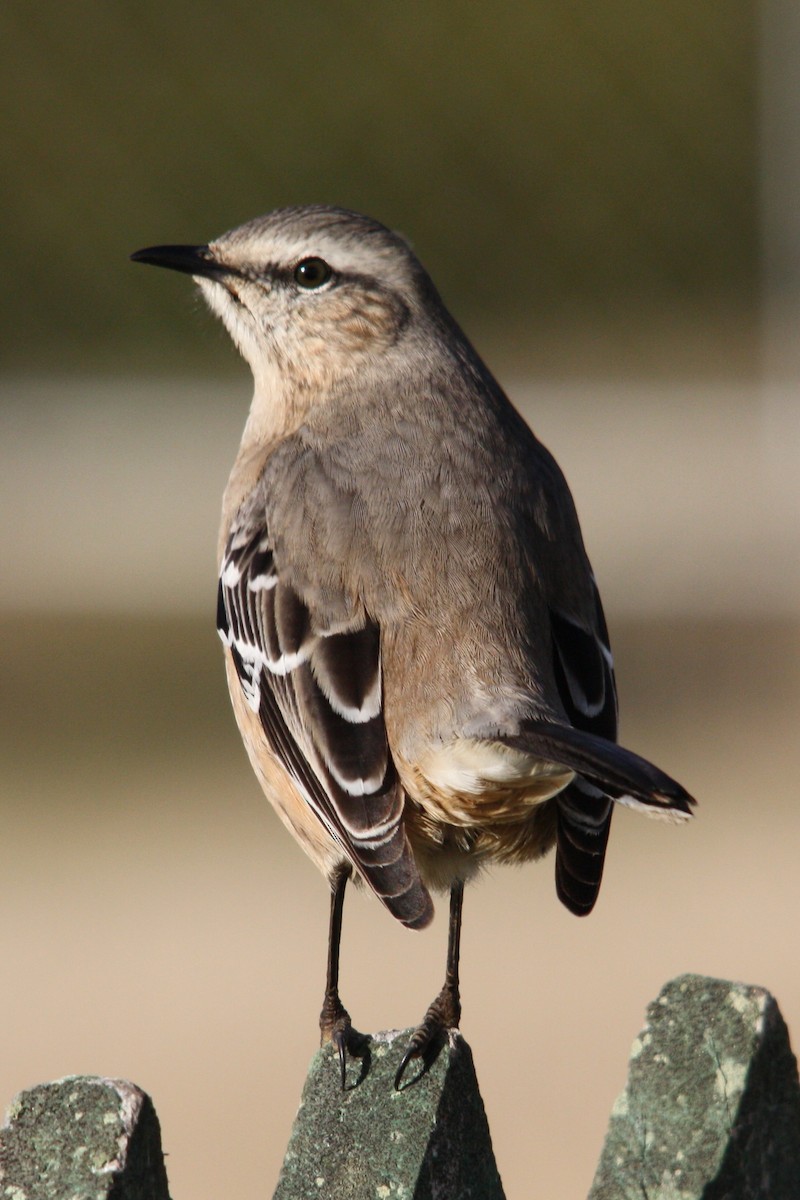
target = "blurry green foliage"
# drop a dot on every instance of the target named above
(557, 155)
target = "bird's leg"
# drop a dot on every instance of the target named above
(334, 1019)
(445, 1011)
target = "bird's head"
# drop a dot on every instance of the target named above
(312, 291)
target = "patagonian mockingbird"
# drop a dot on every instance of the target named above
(415, 646)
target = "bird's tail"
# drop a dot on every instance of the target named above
(583, 823)
(618, 773)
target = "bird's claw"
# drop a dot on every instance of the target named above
(348, 1040)
(427, 1041)
(337, 1028)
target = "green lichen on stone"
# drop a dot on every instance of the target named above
(82, 1138)
(429, 1141)
(711, 1108)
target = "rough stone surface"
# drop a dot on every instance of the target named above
(429, 1141)
(82, 1138)
(711, 1109)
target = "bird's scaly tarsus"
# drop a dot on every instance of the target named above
(444, 1013)
(334, 1019)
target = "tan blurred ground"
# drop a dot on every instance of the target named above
(158, 924)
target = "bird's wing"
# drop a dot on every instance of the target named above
(584, 675)
(585, 678)
(318, 695)
(584, 672)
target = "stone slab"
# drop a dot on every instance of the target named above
(428, 1141)
(82, 1138)
(711, 1108)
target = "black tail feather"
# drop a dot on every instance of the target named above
(618, 772)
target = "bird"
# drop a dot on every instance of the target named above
(415, 645)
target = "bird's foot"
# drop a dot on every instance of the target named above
(335, 1026)
(443, 1015)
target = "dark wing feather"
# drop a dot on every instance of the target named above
(318, 697)
(585, 679)
(584, 673)
(604, 771)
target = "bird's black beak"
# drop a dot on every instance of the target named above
(192, 260)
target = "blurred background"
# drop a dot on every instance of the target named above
(606, 195)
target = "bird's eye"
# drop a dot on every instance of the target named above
(312, 273)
